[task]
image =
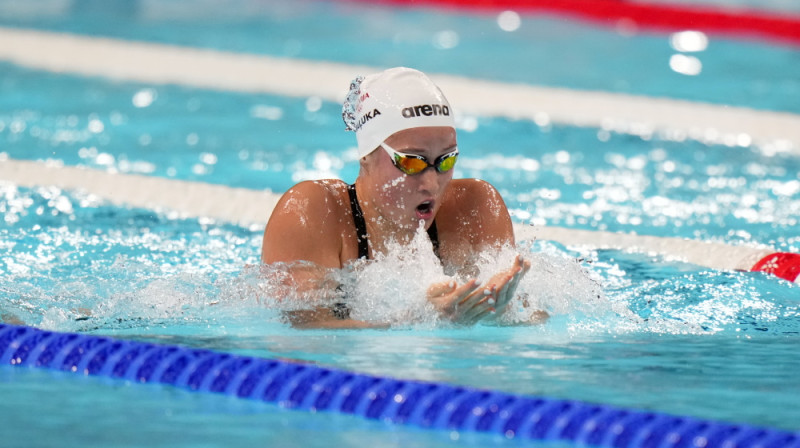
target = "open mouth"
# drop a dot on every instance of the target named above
(425, 210)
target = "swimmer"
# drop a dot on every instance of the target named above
(406, 139)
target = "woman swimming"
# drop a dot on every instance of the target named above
(407, 143)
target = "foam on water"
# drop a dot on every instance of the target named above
(392, 288)
(91, 267)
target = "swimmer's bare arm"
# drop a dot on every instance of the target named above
(474, 218)
(305, 226)
(483, 218)
(300, 227)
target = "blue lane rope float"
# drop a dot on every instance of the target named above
(429, 405)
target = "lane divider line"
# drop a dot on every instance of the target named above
(210, 69)
(312, 388)
(251, 208)
(782, 27)
(702, 253)
(240, 206)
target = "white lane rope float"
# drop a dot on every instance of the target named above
(211, 69)
(252, 208)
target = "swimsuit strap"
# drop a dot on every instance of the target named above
(361, 226)
(433, 234)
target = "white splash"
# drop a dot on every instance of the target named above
(392, 288)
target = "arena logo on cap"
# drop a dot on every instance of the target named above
(366, 117)
(426, 109)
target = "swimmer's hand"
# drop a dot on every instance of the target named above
(503, 285)
(504, 289)
(464, 304)
(472, 302)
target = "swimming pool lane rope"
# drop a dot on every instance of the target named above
(780, 26)
(428, 405)
(152, 63)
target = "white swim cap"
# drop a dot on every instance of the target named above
(381, 104)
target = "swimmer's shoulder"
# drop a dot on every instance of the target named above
(307, 223)
(314, 203)
(474, 213)
(473, 194)
(314, 197)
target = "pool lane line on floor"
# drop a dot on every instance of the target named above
(251, 208)
(211, 69)
(737, 21)
(437, 406)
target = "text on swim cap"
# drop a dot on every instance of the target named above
(426, 109)
(366, 117)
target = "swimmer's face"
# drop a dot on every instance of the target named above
(408, 199)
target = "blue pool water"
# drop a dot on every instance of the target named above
(626, 329)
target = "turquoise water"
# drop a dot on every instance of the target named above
(544, 50)
(626, 329)
(574, 177)
(157, 416)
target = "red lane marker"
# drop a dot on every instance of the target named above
(782, 264)
(782, 27)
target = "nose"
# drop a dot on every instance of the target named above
(429, 181)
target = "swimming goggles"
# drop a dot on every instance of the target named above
(414, 164)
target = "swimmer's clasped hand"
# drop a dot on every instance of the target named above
(507, 281)
(460, 303)
(470, 302)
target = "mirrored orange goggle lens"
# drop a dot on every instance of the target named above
(411, 165)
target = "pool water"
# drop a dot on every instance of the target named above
(626, 329)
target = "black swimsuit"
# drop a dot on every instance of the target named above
(361, 227)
